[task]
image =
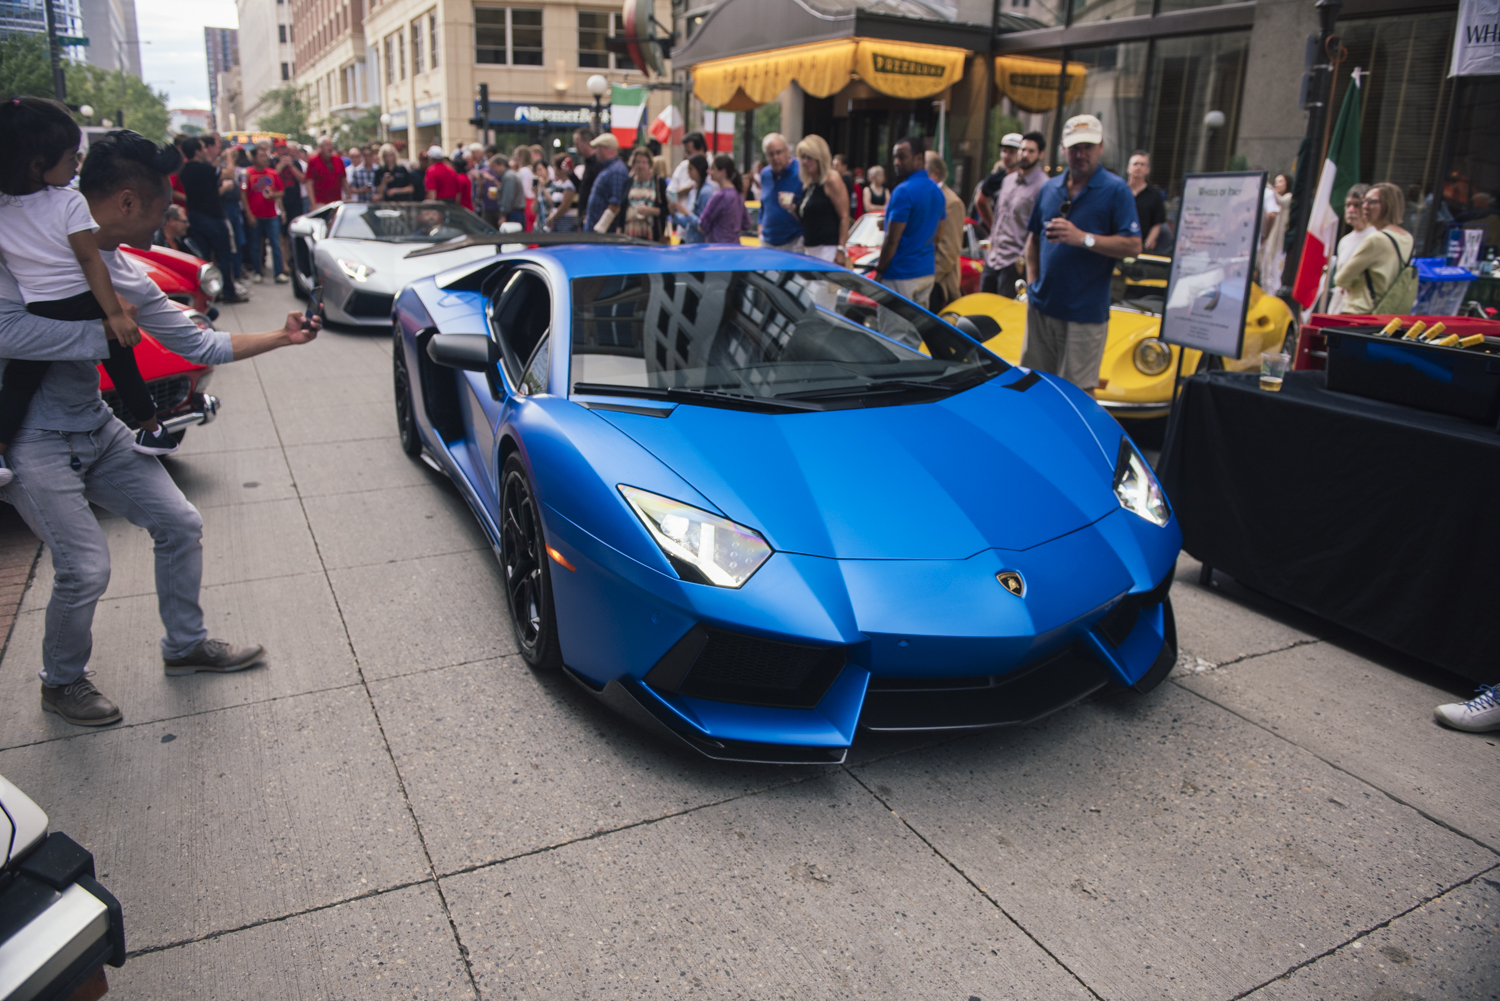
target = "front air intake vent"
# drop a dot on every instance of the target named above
(732, 667)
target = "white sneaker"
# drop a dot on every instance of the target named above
(259, 278)
(161, 443)
(1478, 715)
(282, 279)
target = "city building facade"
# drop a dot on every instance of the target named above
(29, 17)
(328, 46)
(267, 58)
(222, 46)
(430, 56)
(110, 27)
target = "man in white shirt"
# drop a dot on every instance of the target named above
(692, 144)
(73, 452)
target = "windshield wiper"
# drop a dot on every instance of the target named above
(683, 394)
(874, 386)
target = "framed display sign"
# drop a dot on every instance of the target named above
(1218, 234)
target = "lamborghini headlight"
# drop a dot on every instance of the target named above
(1136, 486)
(357, 270)
(1152, 356)
(210, 280)
(703, 548)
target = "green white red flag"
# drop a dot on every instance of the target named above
(667, 128)
(1340, 173)
(626, 105)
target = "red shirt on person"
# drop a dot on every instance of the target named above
(441, 181)
(465, 190)
(326, 178)
(260, 182)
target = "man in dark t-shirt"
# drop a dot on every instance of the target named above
(206, 223)
(1150, 204)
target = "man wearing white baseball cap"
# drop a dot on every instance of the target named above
(984, 198)
(1082, 222)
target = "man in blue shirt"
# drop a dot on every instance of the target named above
(1082, 222)
(611, 188)
(912, 216)
(780, 185)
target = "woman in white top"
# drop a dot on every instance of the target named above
(1278, 208)
(1369, 271)
(562, 193)
(1354, 215)
(527, 177)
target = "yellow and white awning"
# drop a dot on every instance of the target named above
(822, 69)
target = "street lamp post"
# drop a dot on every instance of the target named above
(1319, 93)
(385, 126)
(54, 53)
(597, 86)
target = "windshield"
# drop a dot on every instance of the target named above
(1141, 283)
(407, 222)
(788, 339)
(868, 231)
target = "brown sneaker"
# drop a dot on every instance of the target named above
(215, 655)
(80, 703)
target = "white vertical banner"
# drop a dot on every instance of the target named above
(1476, 47)
(718, 130)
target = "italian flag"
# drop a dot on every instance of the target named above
(1340, 173)
(626, 104)
(667, 129)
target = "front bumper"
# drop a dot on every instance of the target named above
(1139, 411)
(201, 410)
(811, 649)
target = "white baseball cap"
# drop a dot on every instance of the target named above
(1082, 129)
(1011, 139)
(436, 152)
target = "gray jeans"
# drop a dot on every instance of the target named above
(54, 500)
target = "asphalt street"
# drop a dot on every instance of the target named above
(396, 807)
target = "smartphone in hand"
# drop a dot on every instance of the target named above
(314, 307)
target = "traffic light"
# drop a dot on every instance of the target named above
(481, 119)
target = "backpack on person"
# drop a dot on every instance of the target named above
(1401, 294)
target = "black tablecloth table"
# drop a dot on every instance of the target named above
(1375, 516)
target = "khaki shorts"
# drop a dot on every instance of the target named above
(1071, 350)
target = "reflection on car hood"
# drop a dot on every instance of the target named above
(988, 468)
(392, 270)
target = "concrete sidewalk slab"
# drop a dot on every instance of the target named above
(809, 891)
(387, 526)
(222, 479)
(397, 945)
(344, 467)
(294, 618)
(240, 543)
(499, 761)
(1228, 623)
(1445, 949)
(212, 822)
(249, 428)
(1164, 847)
(1372, 722)
(341, 422)
(419, 614)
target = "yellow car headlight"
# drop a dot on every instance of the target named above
(1152, 356)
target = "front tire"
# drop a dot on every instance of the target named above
(406, 407)
(527, 569)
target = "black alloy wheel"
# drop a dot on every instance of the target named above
(406, 408)
(298, 289)
(528, 573)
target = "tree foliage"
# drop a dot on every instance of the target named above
(365, 128)
(25, 68)
(290, 115)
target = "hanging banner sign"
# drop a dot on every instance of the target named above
(1476, 47)
(1217, 237)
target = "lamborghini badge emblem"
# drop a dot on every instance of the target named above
(1012, 582)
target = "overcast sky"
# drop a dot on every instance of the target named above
(174, 60)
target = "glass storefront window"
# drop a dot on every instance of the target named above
(1024, 15)
(1189, 78)
(1108, 10)
(1113, 92)
(1167, 6)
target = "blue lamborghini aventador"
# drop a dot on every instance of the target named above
(754, 502)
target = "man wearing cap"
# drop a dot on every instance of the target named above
(984, 198)
(1003, 261)
(441, 180)
(611, 187)
(1081, 223)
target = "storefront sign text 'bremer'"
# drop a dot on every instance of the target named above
(904, 67)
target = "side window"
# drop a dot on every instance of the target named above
(535, 380)
(522, 318)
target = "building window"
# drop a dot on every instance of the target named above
(401, 53)
(432, 37)
(507, 36)
(594, 26)
(390, 59)
(416, 47)
(286, 71)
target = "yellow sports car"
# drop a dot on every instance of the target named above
(1135, 377)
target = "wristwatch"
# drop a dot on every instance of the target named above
(1088, 240)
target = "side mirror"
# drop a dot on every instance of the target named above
(471, 352)
(303, 226)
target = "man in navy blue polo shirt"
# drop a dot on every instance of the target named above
(780, 185)
(1082, 222)
(912, 216)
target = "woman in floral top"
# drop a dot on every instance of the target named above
(646, 211)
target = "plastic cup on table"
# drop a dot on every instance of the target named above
(1273, 366)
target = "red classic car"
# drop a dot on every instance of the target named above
(867, 236)
(177, 385)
